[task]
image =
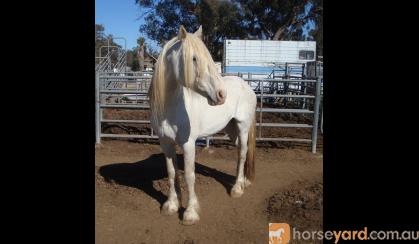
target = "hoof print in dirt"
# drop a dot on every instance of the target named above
(300, 206)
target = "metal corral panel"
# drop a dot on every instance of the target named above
(260, 54)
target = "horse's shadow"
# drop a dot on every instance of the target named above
(142, 174)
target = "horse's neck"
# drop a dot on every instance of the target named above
(180, 96)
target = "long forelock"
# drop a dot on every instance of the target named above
(193, 44)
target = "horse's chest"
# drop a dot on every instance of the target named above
(175, 130)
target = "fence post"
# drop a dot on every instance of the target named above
(316, 116)
(321, 121)
(97, 109)
(261, 85)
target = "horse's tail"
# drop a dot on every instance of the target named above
(249, 164)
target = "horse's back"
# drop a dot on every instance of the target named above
(237, 82)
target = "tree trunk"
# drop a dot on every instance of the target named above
(279, 34)
(140, 54)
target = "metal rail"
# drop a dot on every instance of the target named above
(141, 90)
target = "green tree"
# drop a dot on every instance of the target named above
(163, 18)
(242, 19)
(280, 19)
(140, 41)
(101, 40)
(316, 33)
(132, 55)
(132, 60)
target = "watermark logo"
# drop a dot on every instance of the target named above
(279, 233)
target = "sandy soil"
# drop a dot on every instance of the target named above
(131, 186)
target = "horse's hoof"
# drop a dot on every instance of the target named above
(189, 222)
(169, 208)
(236, 191)
(190, 217)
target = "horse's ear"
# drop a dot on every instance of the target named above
(182, 33)
(198, 33)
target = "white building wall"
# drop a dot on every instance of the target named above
(264, 52)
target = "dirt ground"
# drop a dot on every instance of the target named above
(131, 185)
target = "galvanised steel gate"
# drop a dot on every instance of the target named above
(112, 88)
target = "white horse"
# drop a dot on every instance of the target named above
(189, 99)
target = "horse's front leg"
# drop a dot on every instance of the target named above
(171, 206)
(190, 216)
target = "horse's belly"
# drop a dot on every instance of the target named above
(208, 128)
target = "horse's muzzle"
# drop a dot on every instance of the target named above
(221, 97)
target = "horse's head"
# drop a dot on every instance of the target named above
(193, 67)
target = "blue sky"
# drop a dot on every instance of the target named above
(120, 18)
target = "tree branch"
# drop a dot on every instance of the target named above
(279, 34)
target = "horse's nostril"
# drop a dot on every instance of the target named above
(220, 94)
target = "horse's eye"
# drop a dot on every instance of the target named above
(194, 58)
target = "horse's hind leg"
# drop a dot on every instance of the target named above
(171, 206)
(238, 188)
(190, 216)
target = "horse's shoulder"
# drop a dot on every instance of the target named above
(237, 83)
